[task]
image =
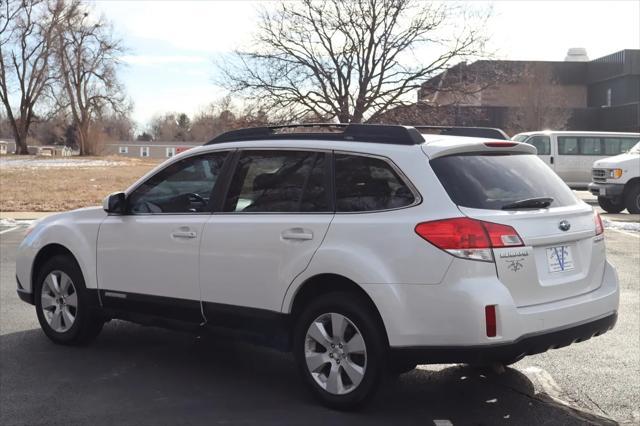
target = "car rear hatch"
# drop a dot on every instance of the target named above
(559, 254)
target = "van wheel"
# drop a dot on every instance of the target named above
(340, 350)
(609, 206)
(63, 307)
(632, 199)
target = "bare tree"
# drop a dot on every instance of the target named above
(87, 56)
(544, 104)
(26, 36)
(350, 61)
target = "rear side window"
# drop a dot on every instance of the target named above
(542, 144)
(368, 184)
(492, 181)
(279, 181)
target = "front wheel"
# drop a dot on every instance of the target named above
(340, 349)
(609, 206)
(632, 199)
(62, 304)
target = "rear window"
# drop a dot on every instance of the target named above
(491, 181)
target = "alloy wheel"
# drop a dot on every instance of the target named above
(335, 353)
(59, 301)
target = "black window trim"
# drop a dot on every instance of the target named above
(212, 203)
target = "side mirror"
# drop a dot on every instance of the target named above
(115, 203)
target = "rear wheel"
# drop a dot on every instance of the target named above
(632, 198)
(340, 349)
(63, 307)
(609, 206)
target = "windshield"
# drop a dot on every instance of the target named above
(520, 138)
(493, 181)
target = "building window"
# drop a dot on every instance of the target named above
(609, 97)
(171, 152)
(144, 151)
(123, 150)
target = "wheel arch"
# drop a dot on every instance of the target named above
(325, 283)
(47, 252)
(631, 183)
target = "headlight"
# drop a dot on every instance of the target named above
(615, 173)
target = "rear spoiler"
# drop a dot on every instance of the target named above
(472, 132)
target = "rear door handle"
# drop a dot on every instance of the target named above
(297, 234)
(184, 234)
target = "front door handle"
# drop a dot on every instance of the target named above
(297, 234)
(184, 234)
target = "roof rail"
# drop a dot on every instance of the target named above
(475, 132)
(376, 133)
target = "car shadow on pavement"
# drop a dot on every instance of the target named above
(147, 376)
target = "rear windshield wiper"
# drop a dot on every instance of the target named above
(540, 203)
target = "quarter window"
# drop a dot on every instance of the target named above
(182, 187)
(368, 184)
(279, 181)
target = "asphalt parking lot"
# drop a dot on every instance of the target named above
(146, 376)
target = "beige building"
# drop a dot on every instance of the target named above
(148, 149)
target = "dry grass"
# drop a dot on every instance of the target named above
(41, 189)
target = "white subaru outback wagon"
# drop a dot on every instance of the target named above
(363, 249)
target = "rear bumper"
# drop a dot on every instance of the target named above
(609, 190)
(513, 351)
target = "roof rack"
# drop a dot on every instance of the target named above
(474, 132)
(376, 133)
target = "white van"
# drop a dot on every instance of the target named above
(571, 153)
(616, 182)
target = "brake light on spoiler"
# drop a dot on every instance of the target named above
(468, 238)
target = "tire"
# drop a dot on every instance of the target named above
(632, 198)
(609, 206)
(342, 378)
(68, 316)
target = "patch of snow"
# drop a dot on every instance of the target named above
(624, 226)
(39, 163)
(16, 222)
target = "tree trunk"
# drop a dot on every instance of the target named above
(21, 144)
(83, 138)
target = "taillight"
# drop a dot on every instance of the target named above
(468, 238)
(598, 220)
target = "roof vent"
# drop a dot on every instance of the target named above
(577, 54)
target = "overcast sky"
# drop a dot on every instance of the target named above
(172, 44)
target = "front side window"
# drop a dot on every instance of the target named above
(542, 144)
(182, 187)
(368, 184)
(279, 181)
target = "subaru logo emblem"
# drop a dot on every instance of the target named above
(564, 225)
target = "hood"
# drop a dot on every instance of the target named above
(616, 161)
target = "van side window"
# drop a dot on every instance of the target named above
(615, 146)
(542, 144)
(574, 145)
(567, 145)
(368, 184)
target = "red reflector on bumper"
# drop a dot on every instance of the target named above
(490, 317)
